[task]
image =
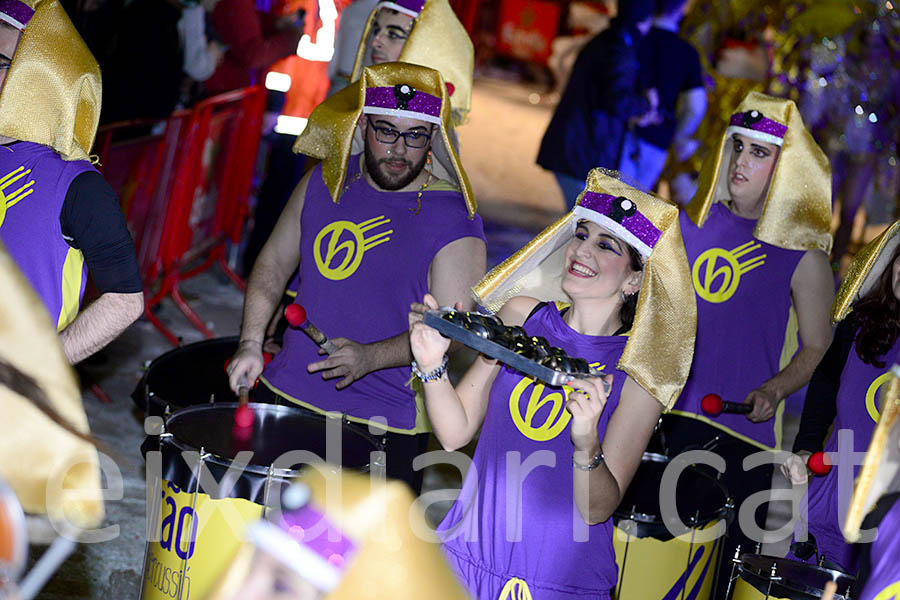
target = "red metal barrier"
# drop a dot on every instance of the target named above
(185, 191)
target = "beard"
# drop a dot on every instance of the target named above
(388, 181)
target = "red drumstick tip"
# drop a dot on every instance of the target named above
(295, 315)
(819, 463)
(228, 362)
(267, 358)
(712, 404)
(243, 416)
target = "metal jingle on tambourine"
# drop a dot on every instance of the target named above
(479, 329)
(453, 317)
(580, 366)
(523, 347)
(516, 331)
(503, 339)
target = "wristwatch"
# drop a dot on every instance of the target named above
(433, 375)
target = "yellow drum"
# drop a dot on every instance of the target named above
(206, 499)
(653, 564)
(762, 577)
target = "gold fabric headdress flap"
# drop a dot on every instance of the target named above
(437, 41)
(331, 134)
(666, 320)
(36, 453)
(867, 266)
(52, 92)
(797, 213)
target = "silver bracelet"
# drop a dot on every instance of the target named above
(430, 375)
(595, 462)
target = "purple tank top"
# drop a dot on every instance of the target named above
(884, 578)
(34, 181)
(743, 289)
(364, 261)
(509, 527)
(857, 414)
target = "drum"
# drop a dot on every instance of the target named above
(681, 567)
(768, 578)
(192, 374)
(13, 536)
(198, 530)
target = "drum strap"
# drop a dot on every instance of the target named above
(515, 589)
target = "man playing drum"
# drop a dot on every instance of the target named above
(372, 232)
(757, 234)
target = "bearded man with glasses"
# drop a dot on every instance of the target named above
(385, 218)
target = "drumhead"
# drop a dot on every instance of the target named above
(795, 580)
(187, 376)
(13, 533)
(276, 431)
(700, 498)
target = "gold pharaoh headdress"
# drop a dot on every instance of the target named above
(867, 266)
(52, 91)
(797, 213)
(34, 451)
(373, 542)
(400, 89)
(666, 320)
(437, 41)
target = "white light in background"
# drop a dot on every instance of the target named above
(323, 49)
(290, 125)
(279, 82)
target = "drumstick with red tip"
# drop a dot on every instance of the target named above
(819, 463)
(296, 316)
(243, 414)
(830, 591)
(713, 405)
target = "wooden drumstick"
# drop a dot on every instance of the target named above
(296, 316)
(830, 591)
(243, 414)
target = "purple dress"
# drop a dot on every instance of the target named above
(364, 261)
(883, 582)
(34, 181)
(743, 291)
(516, 516)
(828, 497)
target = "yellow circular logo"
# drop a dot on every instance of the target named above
(715, 280)
(554, 423)
(891, 592)
(872, 396)
(335, 259)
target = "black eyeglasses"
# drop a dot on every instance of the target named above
(389, 135)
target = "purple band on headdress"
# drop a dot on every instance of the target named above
(312, 529)
(753, 119)
(624, 214)
(403, 100)
(16, 13)
(411, 7)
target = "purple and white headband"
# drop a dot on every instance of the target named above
(620, 216)
(757, 126)
(16, 13)
(407, 7)
(403, 100)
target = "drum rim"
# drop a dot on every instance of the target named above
(839, 577)
(13, 509)
(652, 520)
(257, 469)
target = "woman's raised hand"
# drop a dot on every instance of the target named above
(428, 346)
(794, 468)
(586, 402)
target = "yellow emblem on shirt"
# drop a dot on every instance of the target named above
(891, 592)
(11, 197)
(554, 422)
(872, 395)
(717, 272)
(339, 247)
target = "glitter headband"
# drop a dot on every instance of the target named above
(309, 543)
(621, 216)
(407, 7)
(403, 100)
(16, 13)
(753, 124)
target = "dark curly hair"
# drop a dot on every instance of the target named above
(629, 307)
(877, 314)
